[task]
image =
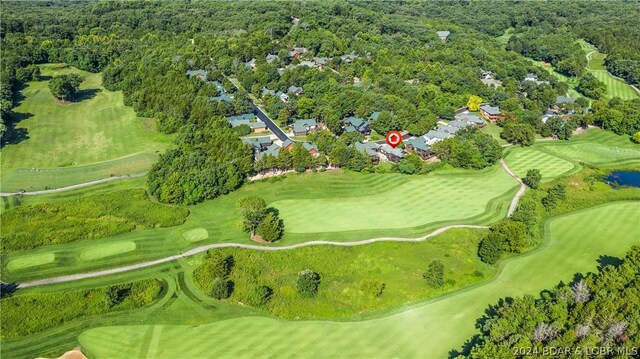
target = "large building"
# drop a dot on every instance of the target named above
(491, 113)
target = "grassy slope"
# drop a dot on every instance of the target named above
(70, 143)
(615, 87)
(358, 194)
(573, 243)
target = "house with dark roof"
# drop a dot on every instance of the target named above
(392, 154)
(302, 127)
(369, 148)
(259, 144)
(419, 146)
(491, 113)
(443, 35)
(352, 124)
(295, 90)
(201, 74)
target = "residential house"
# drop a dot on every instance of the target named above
(531, 77)
(491, 82)
(259, 144)
(302, 127)
(287, 144)
(248, 119)
(201, 74)
(443, 35)
(251, 64)
(491, 113)
(283, 96)
(320, 62)
(313, 150)
(452, 130)
(273, 150)
(265, 91)
(281, 70)
(471, 119)
(348, 58)
(271, 58)
(306, 63)
(223, 97)
(297, 52)
(434, 136)
(392, 154)
(357, 82)
(369, 148)
(550, 113)
(295, 90)
(458, 123)
(374, 116)
(352, 124)
(419, 146)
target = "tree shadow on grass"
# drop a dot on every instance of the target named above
(86, 94)
(15, 135)
(604, 261)
(7, 289)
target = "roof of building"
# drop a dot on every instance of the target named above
(218, 85)
(281, 70)
(202, 74)
(443, 33)
(368, 148)
(294, 89)
(491, 82)
(250, 63)
(374, 116)
(307, 63)
(272, 58)
(273, 150)
(321, 60)
(258, 142)
(352, 56)
(266, 91)
(223, 97)
(449, 129)
(356, 122)
(458, 123)
(309, 147)
(286, 143)
(491, 110)
(419, 143)
(436, 134)
(398, 152)
(350, 129)
(469, 118)
(306, 122)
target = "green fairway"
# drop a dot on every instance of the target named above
(615, 87)
(107, 250)
(68, 143)
(400, 205)
(28, 261)
(494, 130)
(573, 244)
(521, 159)
(196, 235)
(595, 147)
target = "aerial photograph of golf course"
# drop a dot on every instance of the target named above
(311, 179)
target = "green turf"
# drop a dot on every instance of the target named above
(107, 250)
(522, 159)
(30, 260)
(196, 235)
(596, 147)
(615, 87)
(573, 244)
(495, 131)
(69, 143)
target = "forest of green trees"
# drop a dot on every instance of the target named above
(405, 71)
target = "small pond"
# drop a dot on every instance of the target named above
(624, 178)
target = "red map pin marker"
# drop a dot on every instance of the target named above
(394, 138)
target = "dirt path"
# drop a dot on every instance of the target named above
(79, 276)
(516, 198)
(72, 187)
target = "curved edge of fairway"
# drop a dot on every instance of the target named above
(437, 326)
(521, 172)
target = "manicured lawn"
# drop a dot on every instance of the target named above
(495, 131)
(30, 260)
(69, 143)
(615, 87)
(573, 244)
(522, 159)
(107, 250)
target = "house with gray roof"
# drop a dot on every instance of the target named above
(283, 96)
(302, 127)
(248, 119)
(311, 148)
(491, 113)
(392, 154)
(560, 100)
(348, 58)
(470, 119)
(224, 97)
(419, 146)
(297, 51)
(491, 82)
(434, 136)
(369, 148)
(443, 35)
(307, 63)
(320, 62)
(531, 77)
(353, 124)
(295, 90)
(458, 124)
(273, 150)
(286, 144)
(201, 74)
(265, 91)
(259, 144)
(271, 58)
(251, 64)
(449, 129)
(374, 116)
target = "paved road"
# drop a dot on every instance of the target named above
(270, 124)
(79, 276)
(516, 198)
(72, 187)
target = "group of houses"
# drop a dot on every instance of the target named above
(284, 97)
(201, 74)
(265, 146)
(248, 119)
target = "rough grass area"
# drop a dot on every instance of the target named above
(573, 244)
(68, 143)
(30, 313)
(354, 280)
(90, 217)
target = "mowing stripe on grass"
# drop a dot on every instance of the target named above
(522, 159)
(107, 250)
(30, 260)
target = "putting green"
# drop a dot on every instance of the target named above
(522, 159)
(418, 202)
(573, 244)
(68, 143)
(30, 260)
(107, 250)
(196, 235)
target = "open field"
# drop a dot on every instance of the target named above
(351, 194)
(573, 244)
(69, 143)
